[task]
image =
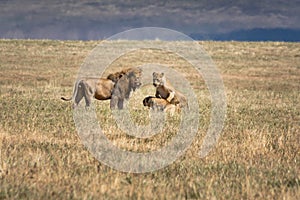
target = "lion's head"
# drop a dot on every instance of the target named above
(129, 82)
(134, 77)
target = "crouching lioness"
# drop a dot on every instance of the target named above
(159, 104)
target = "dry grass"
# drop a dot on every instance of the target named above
(257, 156)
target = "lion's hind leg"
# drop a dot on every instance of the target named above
(79, 93)
(87, 92)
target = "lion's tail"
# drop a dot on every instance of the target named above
(66, 99)
(74, 91)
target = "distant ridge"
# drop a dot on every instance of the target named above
(257, 34)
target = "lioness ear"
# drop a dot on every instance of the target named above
(154, 73)
(139, 70)
(163, 79)
(162, 74)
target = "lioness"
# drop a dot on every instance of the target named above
(165, 90)
(159, 104)
(103, 88)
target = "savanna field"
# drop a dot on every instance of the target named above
(256, 157)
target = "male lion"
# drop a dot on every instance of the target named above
(101, 89)
(127, 83)
(117, 75)
(166, 91)
(159, 104)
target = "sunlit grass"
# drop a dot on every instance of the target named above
(257, 156)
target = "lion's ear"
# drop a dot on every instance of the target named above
(162, 74)
(154, 73)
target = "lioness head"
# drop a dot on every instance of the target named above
(159, 79)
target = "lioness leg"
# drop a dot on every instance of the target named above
(171, 96)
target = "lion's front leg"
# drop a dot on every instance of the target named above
(120, 104)
(113, 102)
(116, 101)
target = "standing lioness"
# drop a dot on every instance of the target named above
(165, 90)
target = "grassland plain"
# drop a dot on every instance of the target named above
(257, 156)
